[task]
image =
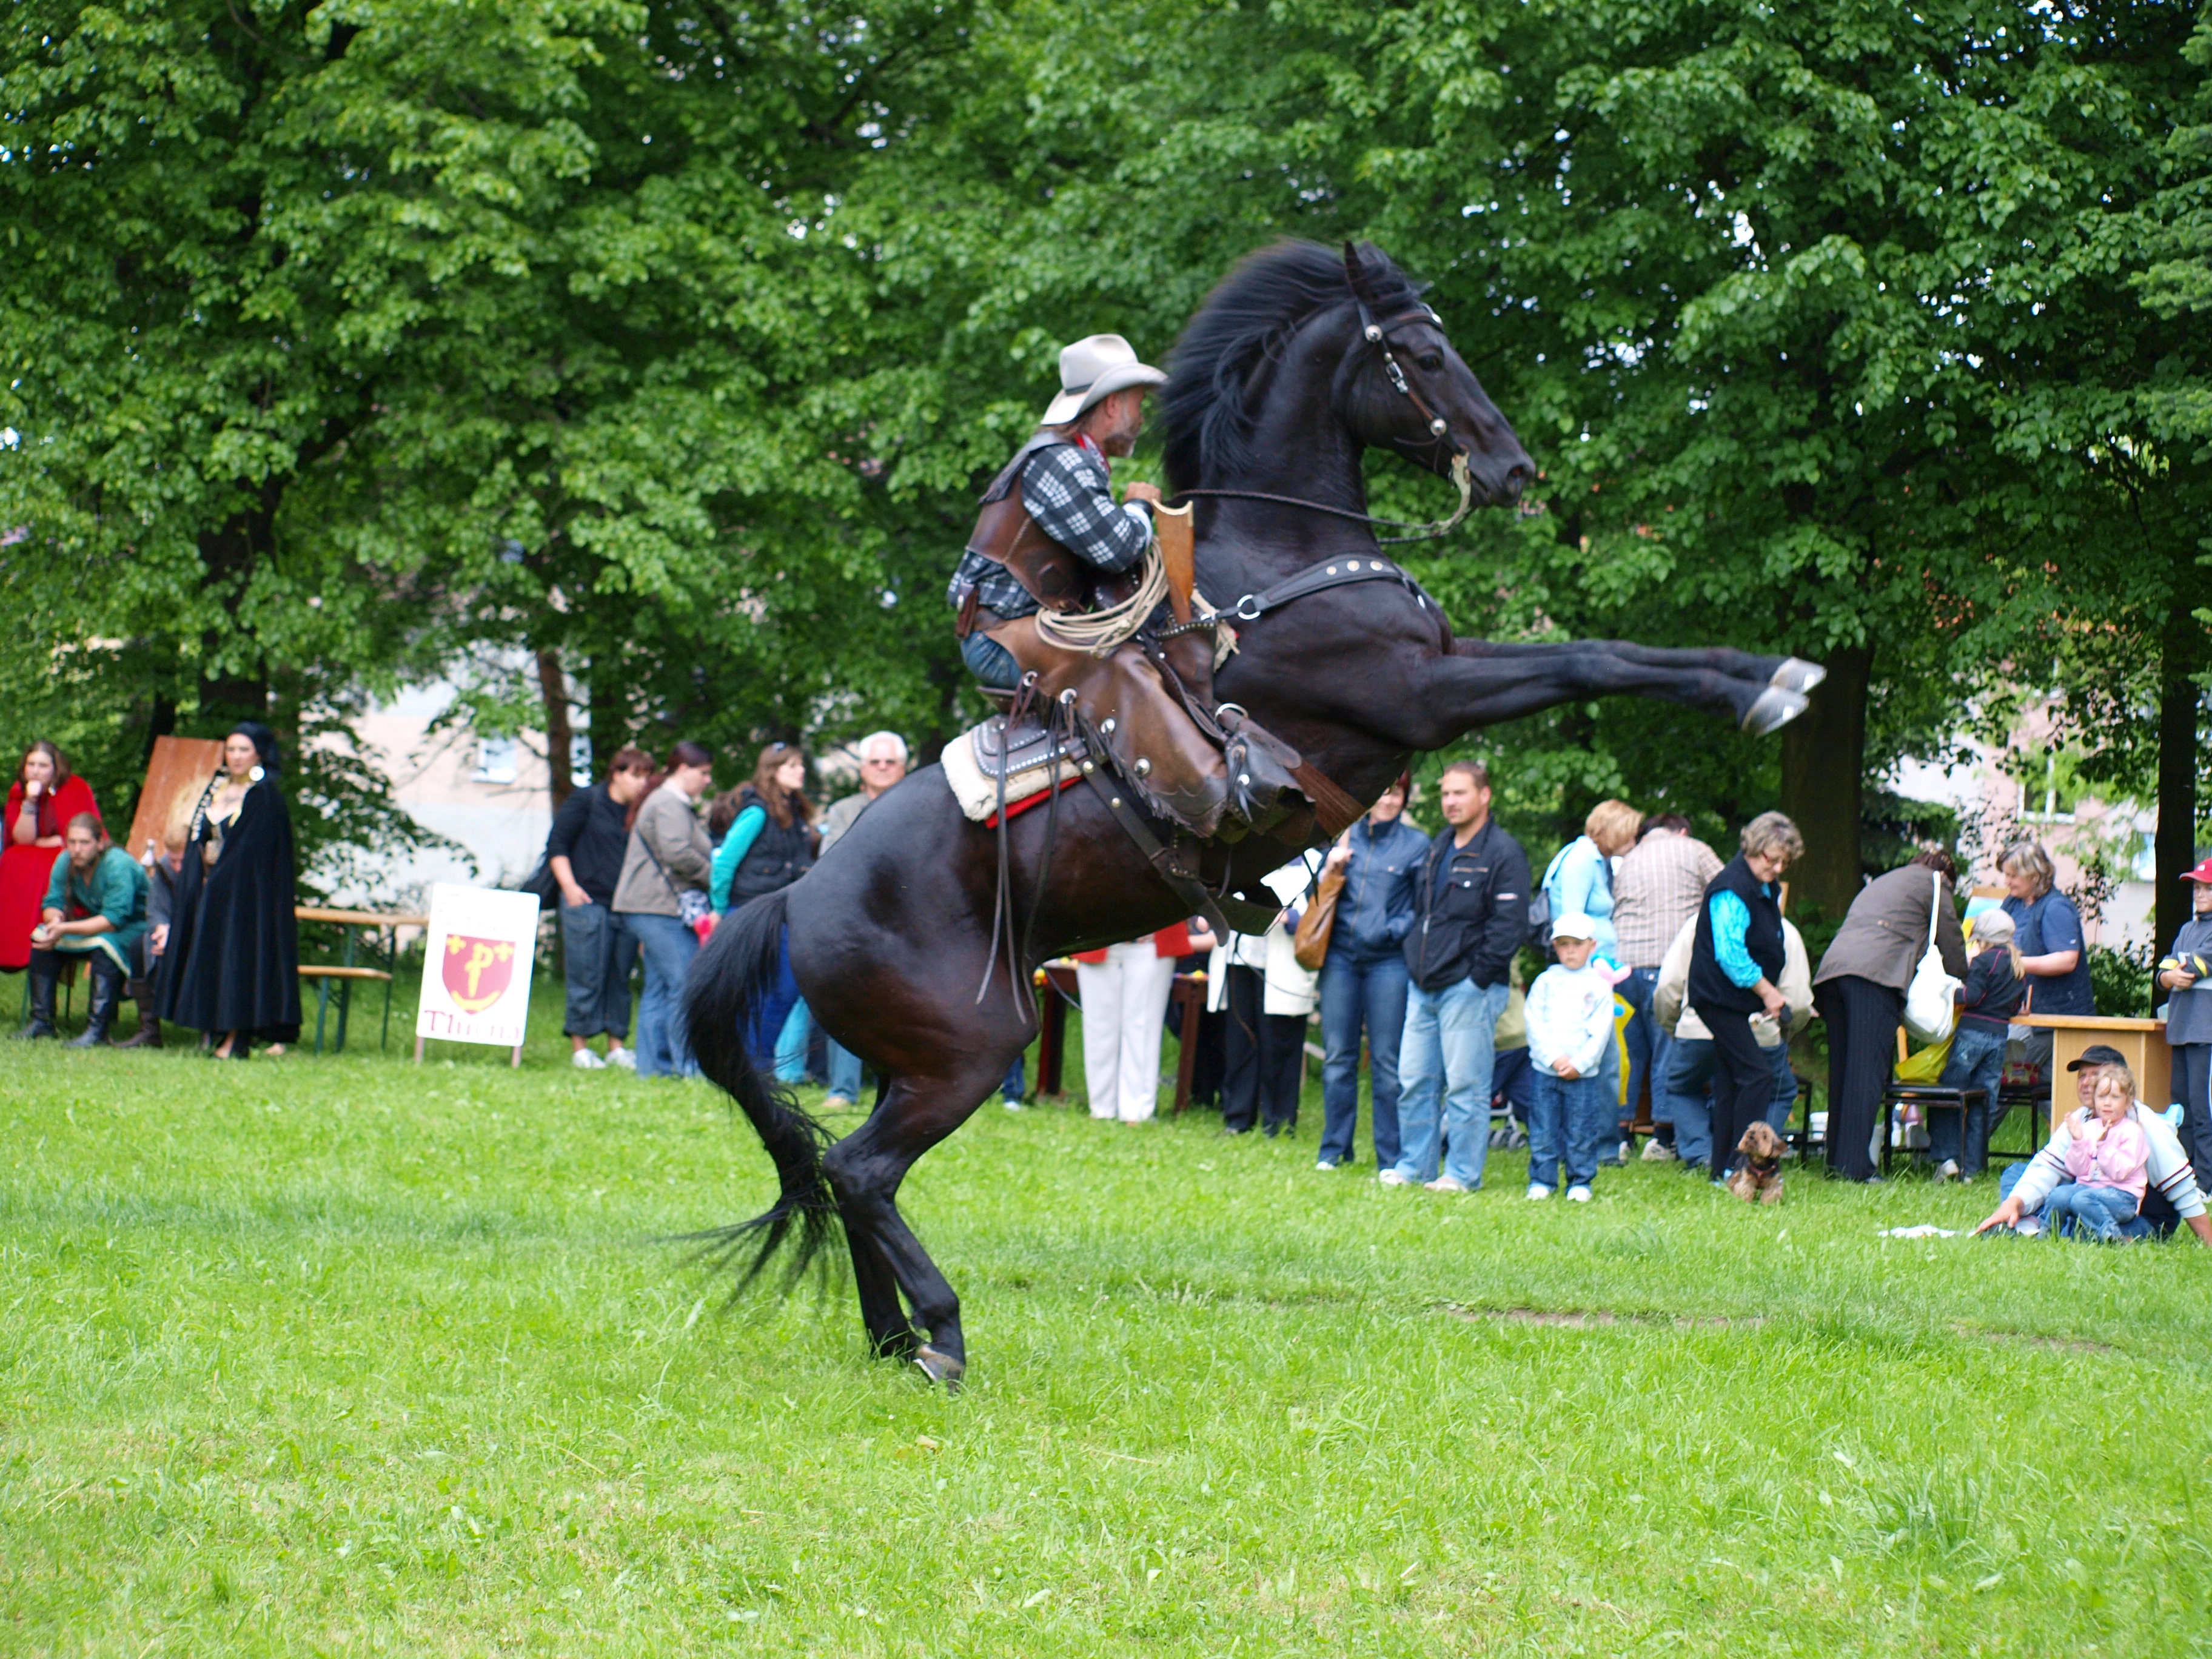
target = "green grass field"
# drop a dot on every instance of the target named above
(341, 1356)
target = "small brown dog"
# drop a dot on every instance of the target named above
(1757, 1178)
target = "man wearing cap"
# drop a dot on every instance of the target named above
(1067, 529)
(2184, 977)
(2172, 1191)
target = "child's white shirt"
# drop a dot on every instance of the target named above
(1569, 1017)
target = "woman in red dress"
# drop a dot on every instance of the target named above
(47, 796)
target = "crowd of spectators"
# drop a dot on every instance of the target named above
(1663, 976)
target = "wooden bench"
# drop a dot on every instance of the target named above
(351, 923)
(345, 976)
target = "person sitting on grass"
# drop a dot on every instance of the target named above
(2169, 1183)
(1569, 1014)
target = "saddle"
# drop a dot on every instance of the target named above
(1147, 704)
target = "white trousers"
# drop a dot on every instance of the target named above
(1125, 1010)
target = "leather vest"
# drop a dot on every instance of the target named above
(1055, 574)
(778, 857)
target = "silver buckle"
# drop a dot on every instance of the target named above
(1241, 614)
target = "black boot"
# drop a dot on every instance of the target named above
(106, 997)
(45, 976)
(140, 991)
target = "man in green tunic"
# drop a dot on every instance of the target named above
(95, 912)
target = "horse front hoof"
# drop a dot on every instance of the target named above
(940, 1367)
(1796, 674)
(1774, 709)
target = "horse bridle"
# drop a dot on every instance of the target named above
(1377, 334)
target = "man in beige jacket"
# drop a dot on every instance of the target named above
(662, 892)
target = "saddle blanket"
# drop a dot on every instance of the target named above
(971, 762)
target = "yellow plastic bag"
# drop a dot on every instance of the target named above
(1925, 1065)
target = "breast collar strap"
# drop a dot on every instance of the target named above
(1336, 573)
(1377, 334)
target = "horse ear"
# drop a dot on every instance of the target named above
(1356, 273)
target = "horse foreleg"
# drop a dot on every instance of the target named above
(1482, 684)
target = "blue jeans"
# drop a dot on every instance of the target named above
(1976, 1061)
(990, 662)
(668, 947)
(1443, 1073)
(773, 1012)
(2011, 1177)
(1569, 1119)
(1648, 1042)
(792, 1044)
(1354, 994)
(844, 1071)
(598, 952)
(2100, 1212)
(1785, 1089)
(1687, 1082)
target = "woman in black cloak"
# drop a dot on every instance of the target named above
(231, 966)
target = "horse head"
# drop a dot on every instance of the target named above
(1401, 386)
(1297, 361)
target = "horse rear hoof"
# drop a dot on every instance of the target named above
(1774, 709)
(1796, 674)
(940, 1367)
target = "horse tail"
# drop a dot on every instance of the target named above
(732, 978)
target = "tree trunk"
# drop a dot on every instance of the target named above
(560, 736)
(2177, 773)
(1823, 767)
(231, 553)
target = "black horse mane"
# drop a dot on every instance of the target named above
(1267, 297)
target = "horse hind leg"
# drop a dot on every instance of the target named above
(890, 1334)
(866, 1170)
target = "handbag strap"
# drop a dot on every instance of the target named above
(1935, 906)
(674, 891)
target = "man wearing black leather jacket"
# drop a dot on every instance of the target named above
(1472, 914)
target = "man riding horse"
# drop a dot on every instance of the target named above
(1053, 544)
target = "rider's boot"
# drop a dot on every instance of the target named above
(1157, 742)
(149, 1036)
(46, 977)
(106, 995)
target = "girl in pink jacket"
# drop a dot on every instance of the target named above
(2107, 1163)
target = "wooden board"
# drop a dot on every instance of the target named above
(180, 768)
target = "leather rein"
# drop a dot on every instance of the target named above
(1425, 530)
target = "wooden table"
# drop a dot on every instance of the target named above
(385, 922)
(1058, 995)
(2142, 1040)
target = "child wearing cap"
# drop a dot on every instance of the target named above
(2182, 976)
(1570, 1017)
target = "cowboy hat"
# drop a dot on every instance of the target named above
(1095, 367)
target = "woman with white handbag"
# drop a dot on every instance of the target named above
(1900, 935)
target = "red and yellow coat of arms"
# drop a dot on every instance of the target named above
(478, 971)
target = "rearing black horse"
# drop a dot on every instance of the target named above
(1296, 364)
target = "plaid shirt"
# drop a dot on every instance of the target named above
(1656, 889)
(1065, 490)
